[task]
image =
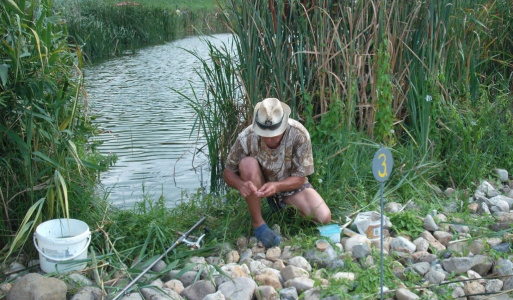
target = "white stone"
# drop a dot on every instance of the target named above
(502, 174)
(344, 275)
(300, 262)
(404, 294)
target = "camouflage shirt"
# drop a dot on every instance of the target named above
(293, 157)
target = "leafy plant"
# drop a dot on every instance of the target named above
(44, 169)
(406, 222)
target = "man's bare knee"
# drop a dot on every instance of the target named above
(248, 161)
(249, 170)
(323, 216)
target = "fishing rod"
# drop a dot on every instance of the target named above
(178, 242)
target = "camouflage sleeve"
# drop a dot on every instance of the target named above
(302, 157)
(235, 156)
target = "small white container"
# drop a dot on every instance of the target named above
(331, 231)
(321, 245)
(59, 241)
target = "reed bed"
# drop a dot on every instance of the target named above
(105, 29)
(47, 166)
(405, 74)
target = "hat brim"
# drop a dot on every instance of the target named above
(275, 132)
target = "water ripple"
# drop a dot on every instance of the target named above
(146, 124)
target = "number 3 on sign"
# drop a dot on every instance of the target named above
(382, 164)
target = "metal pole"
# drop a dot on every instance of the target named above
(183, 237)
(381, 243)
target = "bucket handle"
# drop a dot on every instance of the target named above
(65, 258)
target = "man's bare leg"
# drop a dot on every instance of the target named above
(310, 204)
(249, 170)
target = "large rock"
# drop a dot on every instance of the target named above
(503, 267)
(267, 293)
(423, 256)
(215, 296)
(300, 283)
(291, 272)
(482, 264)
(240, 288)
(270, 278)
(430, 224)
(356, 239)
(474, 288)
(88, 293)
(421, 245)
(404, 294)
(488, 189)
(434, 277)
(187, 278)
(289, 293)
(432, 241)
(400, 244)
(323, 259)
(157, 294)
(300, 262)
(443, 237)
(235, 270)
(198, 290)
(420, 268)
(506, 199)
(33, 286)
(458, 265)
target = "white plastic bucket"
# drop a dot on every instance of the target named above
(60, 242)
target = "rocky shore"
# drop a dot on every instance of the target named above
(452, 260)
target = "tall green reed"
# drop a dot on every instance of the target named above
(220, 107)
(476, 85)
(373, 66)
(42, 123)
(426, 58)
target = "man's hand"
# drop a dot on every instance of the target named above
(267, 190)
(248, 188)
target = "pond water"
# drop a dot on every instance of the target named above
(148, 125)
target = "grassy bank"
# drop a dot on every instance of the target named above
(48, 164)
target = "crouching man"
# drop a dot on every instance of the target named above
(271, 159)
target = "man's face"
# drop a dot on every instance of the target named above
(273, 142)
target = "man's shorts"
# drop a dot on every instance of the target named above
(276, 201)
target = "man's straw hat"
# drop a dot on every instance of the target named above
(271, 117)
